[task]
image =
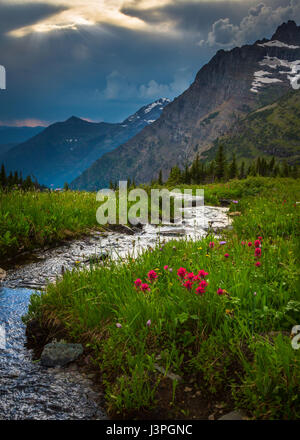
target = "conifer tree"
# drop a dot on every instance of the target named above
(242, 174)
(233, 168)
(220, 163)
(3, 179)
(160, 178)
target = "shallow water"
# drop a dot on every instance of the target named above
(29, 391)
(50, 264)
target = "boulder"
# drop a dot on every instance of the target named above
(60, 354)
(2, 274)
(234, 415)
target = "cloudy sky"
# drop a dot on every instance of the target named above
(103, 59)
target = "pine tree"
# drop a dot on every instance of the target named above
(160, 178)
(258, 166)
(3, 179)
(233, 168)
(242, 171)
(212, 170)
(195, 170)
(175, 176)
(10, 180)
(66, 186)
(220, 163)
(186, 176)
(264, 167)
(271, 166)
(294, 172)
(285, 169)
(28, 183)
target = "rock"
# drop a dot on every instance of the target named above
(172, 232)
(225, 202)
(2, 274)
(171, 376)
(234, 415)
(60, 354)
(235, 214)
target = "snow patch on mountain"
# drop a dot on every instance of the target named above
(276, 43)
(262, 77)
(155, 104)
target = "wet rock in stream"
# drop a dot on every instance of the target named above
(60, 354)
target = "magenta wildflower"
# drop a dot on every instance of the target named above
(188, 284)
(200, 290)
(190, 276)
(145, 287)
(152, 275)
(257, 252)
(138, 282)
(181, 272)
(202, 273)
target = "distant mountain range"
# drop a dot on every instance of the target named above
(223, 100)
(62, 151)
(11, 136)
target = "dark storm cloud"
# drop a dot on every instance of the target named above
(14, 16)
(105, 71)
(189, 16)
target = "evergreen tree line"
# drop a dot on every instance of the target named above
(222, 170)
(15, 180)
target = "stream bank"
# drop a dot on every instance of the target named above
(29, 391)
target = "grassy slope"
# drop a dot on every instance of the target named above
(32, 219)
(221, 343)
(273, 130)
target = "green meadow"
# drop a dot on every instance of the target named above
(217, 313)
(31, 219)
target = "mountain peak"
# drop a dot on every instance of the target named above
(288, 33)
(75, 119)
(149, 113)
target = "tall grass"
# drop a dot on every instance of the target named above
(31, 219)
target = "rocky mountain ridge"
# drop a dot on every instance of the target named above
(233, 84)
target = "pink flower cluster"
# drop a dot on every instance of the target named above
(139, 285)
(257, 251)
(144, 287)
(189, 280)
